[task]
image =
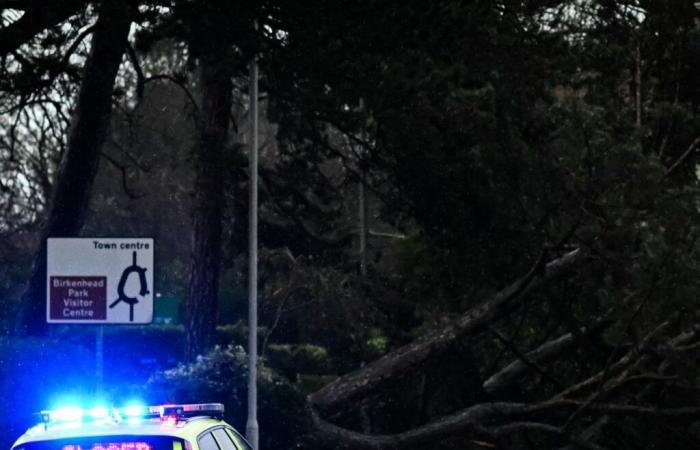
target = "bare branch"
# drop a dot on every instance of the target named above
(36, 18)
(140, 78)
(542, 353)
(524, 359)
(387, 235)
(74, 46)
(693, 146)
(629, 358)
(125, 183)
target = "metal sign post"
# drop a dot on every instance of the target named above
(99, 361)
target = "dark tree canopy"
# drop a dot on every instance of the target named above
(528, 170)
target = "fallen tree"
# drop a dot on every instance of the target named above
(491, 420)
(574, 415)
(351, 387)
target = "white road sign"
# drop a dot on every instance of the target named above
(99, 280)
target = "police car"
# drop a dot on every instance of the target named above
(134, 427)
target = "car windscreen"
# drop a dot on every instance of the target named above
(125, 442)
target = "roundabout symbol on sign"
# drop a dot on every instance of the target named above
(131, 301)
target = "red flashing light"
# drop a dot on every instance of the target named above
(170, 421)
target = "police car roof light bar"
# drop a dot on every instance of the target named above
(177, 412)
(215, 410)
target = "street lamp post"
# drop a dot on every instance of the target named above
(252, 423)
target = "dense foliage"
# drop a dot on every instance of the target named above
(528, 176)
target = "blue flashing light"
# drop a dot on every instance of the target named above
(66, 414)
(99, 412)
(133, 411)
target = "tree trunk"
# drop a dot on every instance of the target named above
(76, 174)
(638, 85)
(201, 312)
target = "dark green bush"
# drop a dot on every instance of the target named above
(295, 360)
(221, 376)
